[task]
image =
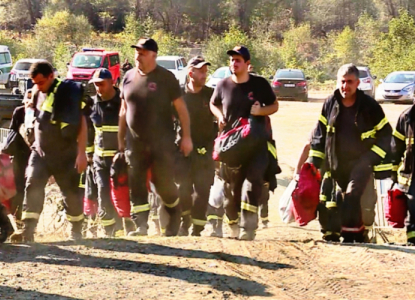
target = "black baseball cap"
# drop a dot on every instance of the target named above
(240, 50)
(148, 44)
(100, 75)
(198, 62)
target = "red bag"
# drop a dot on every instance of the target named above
(306, 196)
(396, 208)
(120, 193)
(7, 183)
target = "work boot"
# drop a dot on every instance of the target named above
(185, 225)
(140, 220)
(247, 235)
(197, 229)
(76, 231)
(331, 236)
(265, 223)
(109, 231)
(234, 231)
(128, 225)
(27, 234)
(6, 227)
(172, 228)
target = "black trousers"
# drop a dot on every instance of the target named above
(106, 210)
(263, 203)
(247, 183)
(66, 176)
(196, 176)
(19, 169)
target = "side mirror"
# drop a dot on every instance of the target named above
(308, 78)
(180, 68)
(271, 77)
(375, 77)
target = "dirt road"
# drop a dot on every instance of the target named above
(284, 262)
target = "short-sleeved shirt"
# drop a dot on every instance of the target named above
(236, 99)
(201, 118)
(149, 101)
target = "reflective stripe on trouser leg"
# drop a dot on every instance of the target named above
(74, 219)
(106, 223)
(172, 205)
(199, 222)
(214, 217)
(230, 222)
(29, 215)
(140, 208)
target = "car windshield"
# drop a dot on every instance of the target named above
(221, 73)
(22, 66)
(400, 78)
(290, 74)
(87, 61)
(167, 64)
(363, 74)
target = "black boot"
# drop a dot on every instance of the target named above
(6, 228)
(172, 228)
(197, 229)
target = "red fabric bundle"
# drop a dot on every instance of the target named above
(7, 183)
(396, 208)
(120, 192)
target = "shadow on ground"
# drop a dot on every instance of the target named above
(7, 292)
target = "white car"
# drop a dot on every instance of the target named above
(21, 70)
(367, 81)
(176, 65)
(397, 87)
(217, 76)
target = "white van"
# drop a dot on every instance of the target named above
(5, 64)
(175, 64)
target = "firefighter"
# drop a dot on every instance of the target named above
(148, 95)
(58, 150)
(104, 117)
(402, 159)
(352, 137)
(198, 169)
(242, 95)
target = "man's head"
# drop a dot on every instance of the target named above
(102, 80)
(145, 52)
(197, 71)
(240, 59)
(42, 75)
(348, 80)
(27, 96)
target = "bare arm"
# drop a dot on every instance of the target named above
(217, 112)
(186, 142)
(122, 126)
(258, 110)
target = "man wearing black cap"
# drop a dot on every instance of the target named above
(104, 145)
(244, 95)
(197, 170)
(146, 123)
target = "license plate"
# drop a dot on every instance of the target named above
(393, 94)
(290, 85)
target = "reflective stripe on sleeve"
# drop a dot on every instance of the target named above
(381, 124)
(315, 153)
(378, 151)
(384, 167)
(272, 149)
(398, 135)
(323, 120)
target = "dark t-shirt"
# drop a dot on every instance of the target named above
(236, 99)
(348, 137)
(201, 118)
(149, 103)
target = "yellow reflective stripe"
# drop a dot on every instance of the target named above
(405, 182)
(331, 233)
(109, 128)
(74, 218)
(331, 129)
(119, 233)
(201, 151)
(384, 167)
(323, 198)
(83, 104)
(30, 215)
(323, 120)
(162, 230)
(398, 135)
(410, 234)
(174, 204)
(214, 217)
(89, 149)
(411, 140)
(368, 134)
(315, 153)
(368, 227)
(327, 174)
(106, 223)
(104, 153)
(63, 124)
(249, 207)
(378, 151)
(50, 99)
(272, 149)
(331, 204)
(265, 219)
(199, 222)
(140, 208)
(395, 168)
(381, 124)
(185, 213)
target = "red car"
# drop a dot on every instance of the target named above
(84, 63)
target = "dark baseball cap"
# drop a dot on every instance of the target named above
(100, 75)
(148, 44)
(240, 50)
(198, 62)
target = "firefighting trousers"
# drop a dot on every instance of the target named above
(19, 168)
(195, 178)
(141, 157)
(263, 204)
(66, 176)
(247, 183)
(106, 210)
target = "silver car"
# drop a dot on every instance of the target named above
(218, 75)
(367, 81)
(397, 87)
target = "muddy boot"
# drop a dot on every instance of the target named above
(27, 234)
(247, 235)
(185, 225)
(265, 222)
(109, 231)
(348, 237)
(141, 222)
(6, 227)
(76, 231)
(128, 225)
(172, 228)
(197, 229)
(234, 231)
(164, 219)
(329, 236)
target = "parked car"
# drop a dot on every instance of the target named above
(20, 71)
(176, 65)
(218, 75)
(367, 81)
(290, 84)
(5, 65)
(83, 65)
(397, 87)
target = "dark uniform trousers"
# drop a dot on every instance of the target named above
(196, 176)
(107, 213)
(160, 159)
(66, 176)
(263, 204)
(247, 183)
